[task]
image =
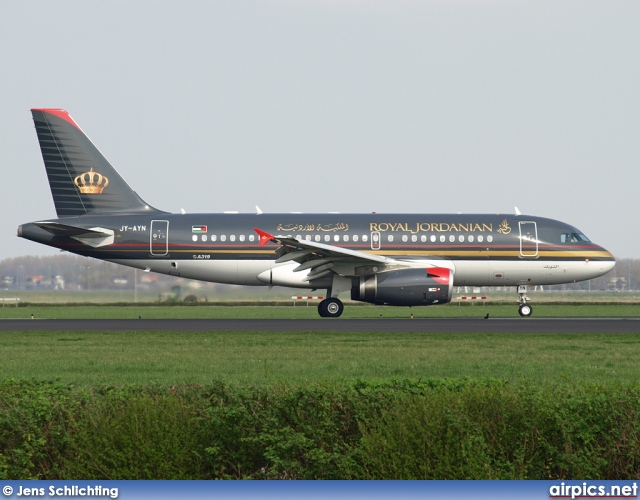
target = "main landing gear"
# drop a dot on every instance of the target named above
(524, 309)
(330, 308)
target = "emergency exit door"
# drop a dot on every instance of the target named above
(159, 237)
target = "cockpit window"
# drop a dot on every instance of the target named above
(573, 238)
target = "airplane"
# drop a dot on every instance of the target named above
(393, 259)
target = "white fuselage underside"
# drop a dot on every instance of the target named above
(467, 272)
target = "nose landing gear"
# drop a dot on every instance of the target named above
(524, 309)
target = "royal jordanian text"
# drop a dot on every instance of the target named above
(426, 227)
(68, 491)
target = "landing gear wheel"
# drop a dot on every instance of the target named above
(330, 308)
(322, 310)
(525, 310)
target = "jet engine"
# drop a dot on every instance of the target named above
(406, 287)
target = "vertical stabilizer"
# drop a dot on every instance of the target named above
(82, 181)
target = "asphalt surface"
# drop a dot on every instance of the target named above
(466, 325)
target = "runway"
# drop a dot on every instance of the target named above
(463, 325)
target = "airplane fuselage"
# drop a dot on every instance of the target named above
(481, 249)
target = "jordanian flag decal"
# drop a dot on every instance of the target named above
(198, 229)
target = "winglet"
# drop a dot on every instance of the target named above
(264, 237)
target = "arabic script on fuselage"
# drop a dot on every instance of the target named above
(405, 227)
(327, 228)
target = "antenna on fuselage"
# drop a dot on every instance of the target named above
(518, 211)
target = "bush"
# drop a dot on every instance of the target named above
(399, 429)
(136, 435)
(33, 428)
(507, 433)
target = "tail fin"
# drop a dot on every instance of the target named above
(82, 181)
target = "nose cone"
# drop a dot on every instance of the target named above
(605, 263)
(609, 264)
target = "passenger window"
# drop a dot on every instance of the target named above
(242, 237)
(365, 238)
(404, 238)
(204, 237)
(194, 237)
(317, 237)
(232, 237)
(214, 237)
(452, 238)
(327, 237)
(336, 238)
(433, 238)
(470, 238)
(250, 237)
(443, 238)
(490, 238)
(355, 238)
(223, 237)
(390, 238)
(480, 239)
(461, 238)
(345, 237)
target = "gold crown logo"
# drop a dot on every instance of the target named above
(91, 182)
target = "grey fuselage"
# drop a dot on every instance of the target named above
(481, 249)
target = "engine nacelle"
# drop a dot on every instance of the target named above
(407, 287)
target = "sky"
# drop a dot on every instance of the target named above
(404, 106)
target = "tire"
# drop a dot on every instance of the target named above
(330, 308)
(525, 310)
(322, 309)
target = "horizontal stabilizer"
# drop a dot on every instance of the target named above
(94, 237)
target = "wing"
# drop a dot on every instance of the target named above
(321, 259)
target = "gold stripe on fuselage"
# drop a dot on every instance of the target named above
(544, 254)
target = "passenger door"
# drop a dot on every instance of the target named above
(528, 239)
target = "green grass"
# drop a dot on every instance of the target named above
(260, 358)
(284, 310)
